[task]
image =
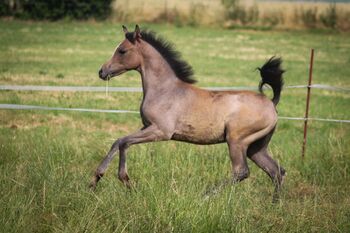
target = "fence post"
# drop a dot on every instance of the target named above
(307, 102)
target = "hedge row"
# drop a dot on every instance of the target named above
(56, 9)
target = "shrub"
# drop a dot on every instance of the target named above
(197, 12)
(273, 18)
(58, 9)
(236, 12)
(173, 17)
(180, 18)
(5, 8)
(329, 18)
(309, 17)
(343, 20)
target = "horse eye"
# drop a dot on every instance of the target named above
(121, 51)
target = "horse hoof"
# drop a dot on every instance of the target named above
(211, 192)
(128, 185)
(283, 178)
(93, 183)
(238, 177)
(215, 189)
(124, 178)
(92, 186)
(275, 198)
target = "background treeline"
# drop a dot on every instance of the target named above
(226, 13)
(236, 13)
(56, 9)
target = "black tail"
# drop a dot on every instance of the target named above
(271, 73)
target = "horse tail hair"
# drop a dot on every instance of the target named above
(271, 74)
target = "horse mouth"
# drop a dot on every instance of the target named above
(108, 76)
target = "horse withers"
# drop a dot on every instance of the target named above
(174, 109)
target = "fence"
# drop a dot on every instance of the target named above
(139, 89)
(136, 89)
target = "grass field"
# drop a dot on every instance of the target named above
(47, 158)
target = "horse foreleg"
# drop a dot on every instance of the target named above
(104, 164)
(272, 168)
(149, 134)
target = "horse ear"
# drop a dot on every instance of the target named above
(125, 30)
(137, 33)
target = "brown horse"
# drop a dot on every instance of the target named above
(173, 109)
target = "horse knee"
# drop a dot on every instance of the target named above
(123, 145)
(119, 144)
(115, 145)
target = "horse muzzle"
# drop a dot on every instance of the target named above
(108, 75)
(104, 75)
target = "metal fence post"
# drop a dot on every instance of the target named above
(307, 102)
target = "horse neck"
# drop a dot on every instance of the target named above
(156, 73)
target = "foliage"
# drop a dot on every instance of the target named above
(237, 12)
(58, 9)
(179, 18)
(329, 18)
(273, 18)
(172, 16)
(197, 11)
(5, 8)
(309, 17)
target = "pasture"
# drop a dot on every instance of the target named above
(48, 157)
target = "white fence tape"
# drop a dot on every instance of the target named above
(34, 107)
(69, 88)
(313, 119)
(138, 89)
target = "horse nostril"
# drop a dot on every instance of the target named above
(100, 73)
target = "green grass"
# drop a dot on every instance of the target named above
(47, 158)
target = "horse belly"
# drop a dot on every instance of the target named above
(208, 133)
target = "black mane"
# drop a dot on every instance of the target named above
(181, 68)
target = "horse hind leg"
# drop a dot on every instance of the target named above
(240, 170)
(238, 146)
(258, 153)
(238, 156)
(272, 168)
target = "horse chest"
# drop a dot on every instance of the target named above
(153, 111)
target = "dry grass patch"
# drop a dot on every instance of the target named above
(195, 12)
